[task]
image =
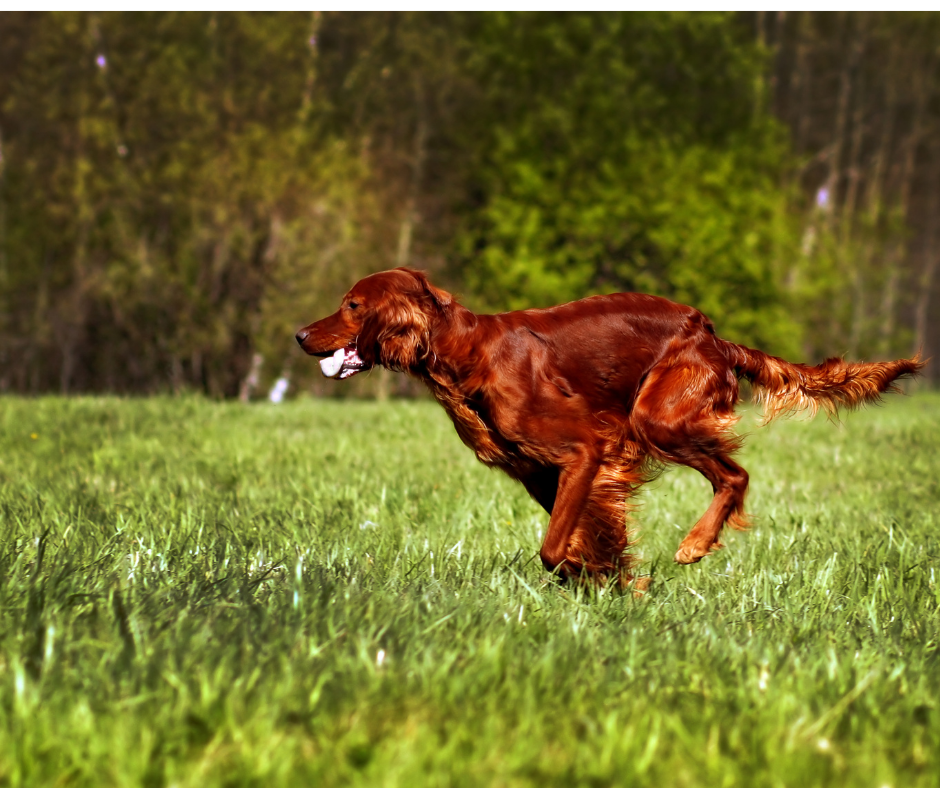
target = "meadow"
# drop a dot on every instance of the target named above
(329, 593)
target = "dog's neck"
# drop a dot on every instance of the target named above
(451, 333)
(456, 378)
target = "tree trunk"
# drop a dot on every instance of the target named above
(929, 270)
(250, 382)
(931, 258)
(875, 256)
(855, 262)
(417, 175)
(838, 140)
(800, 82)
(4, 279)
(410, 218)
(306, 103)
(826, 197)
(895, 256)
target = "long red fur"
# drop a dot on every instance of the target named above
(581, 402)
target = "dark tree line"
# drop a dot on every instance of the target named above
(859, 94)
(180, 191)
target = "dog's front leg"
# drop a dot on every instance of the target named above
(574, 487)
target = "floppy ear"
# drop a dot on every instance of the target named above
(441, 298)
(402, 335)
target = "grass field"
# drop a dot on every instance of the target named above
(336, 593)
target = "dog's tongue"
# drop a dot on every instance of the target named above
(333, 365)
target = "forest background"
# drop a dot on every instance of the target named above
(179, 192)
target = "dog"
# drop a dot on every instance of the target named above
(583, 402)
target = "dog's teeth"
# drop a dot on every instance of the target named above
(332, 366)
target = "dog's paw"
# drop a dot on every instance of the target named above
(694, 552)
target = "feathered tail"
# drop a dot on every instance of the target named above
(784, 388)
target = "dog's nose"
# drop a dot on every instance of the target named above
(302, 335)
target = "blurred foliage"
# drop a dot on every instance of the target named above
(178, 202)
(179, 192)
(629, 153)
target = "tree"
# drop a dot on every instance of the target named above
(630, 152)
(169, 174)
(180, 192)
(861, 101)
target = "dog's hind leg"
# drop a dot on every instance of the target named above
(685, 415)
(729, 482)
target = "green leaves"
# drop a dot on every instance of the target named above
(199, 185)
(631, 156)
(171, 184)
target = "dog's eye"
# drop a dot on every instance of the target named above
(353, 305)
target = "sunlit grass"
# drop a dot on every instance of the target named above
(337, 593)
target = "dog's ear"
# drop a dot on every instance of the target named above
(441, 298)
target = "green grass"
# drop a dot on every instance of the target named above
(336, 593)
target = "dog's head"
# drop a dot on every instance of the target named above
(385, 319)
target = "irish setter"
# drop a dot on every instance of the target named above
(581, 402)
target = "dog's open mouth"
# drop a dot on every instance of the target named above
(344, 363)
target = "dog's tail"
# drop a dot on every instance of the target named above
(784, 388)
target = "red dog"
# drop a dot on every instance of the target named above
(575, 400)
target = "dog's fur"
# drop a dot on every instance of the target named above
(580, 401)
